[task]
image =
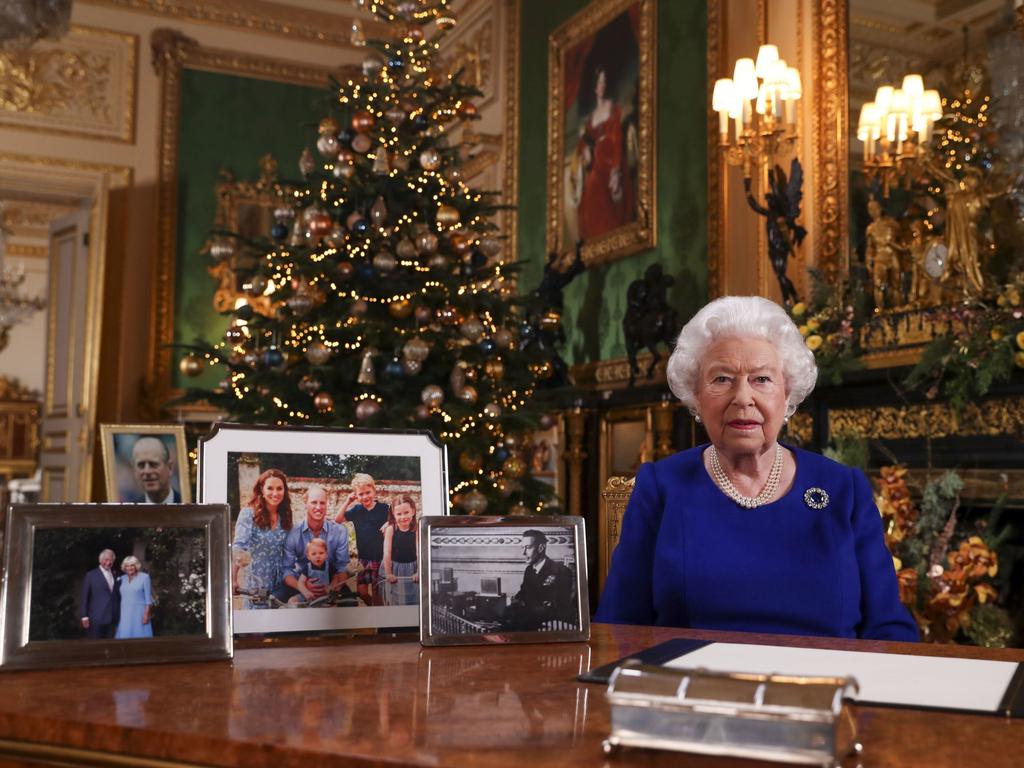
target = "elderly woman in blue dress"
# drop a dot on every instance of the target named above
(743, 533)
(136, 594)
(260, 532)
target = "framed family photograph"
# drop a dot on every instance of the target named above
(503, 580)
(90, 584)
(146, 463)
(601, 136)
(324, 522)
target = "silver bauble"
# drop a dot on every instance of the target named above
(490, 246)
(426, 243)
(474, 502)
(416, 349)
(492, 410)
(430, 159)
(412, 367)
(405, 248)
(327, 145)
(384, 262)
(367, 409)
(318, 353)
(372, 65)
(472, 328)
(432, 396)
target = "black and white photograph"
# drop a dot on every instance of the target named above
(519, 579)
(324, 524)
(97, 574)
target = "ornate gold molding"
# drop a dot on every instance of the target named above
(980, 485)
(172, 53)
(510, 148)
(614, 373)
(831, 138)
(997, 416)
(716, 167)
(277, 19)
(614, 499)
(82, 85)
(20, 250)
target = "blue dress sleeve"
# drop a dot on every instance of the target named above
(628, 596)
(243, 531)
(147, 589)
(883, 616)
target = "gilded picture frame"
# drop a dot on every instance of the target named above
(601, 175)
(131, 470)
(51, 553)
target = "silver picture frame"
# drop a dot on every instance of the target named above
(497, 580)
(28, 569)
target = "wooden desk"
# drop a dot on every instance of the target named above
(386, 701)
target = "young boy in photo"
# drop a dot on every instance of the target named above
(369, 517)
(315, 567)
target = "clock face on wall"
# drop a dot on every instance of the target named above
(935, 260)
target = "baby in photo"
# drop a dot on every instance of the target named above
(315, 567)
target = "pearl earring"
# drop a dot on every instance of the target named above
(696, 417)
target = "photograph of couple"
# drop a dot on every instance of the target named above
(321, 531)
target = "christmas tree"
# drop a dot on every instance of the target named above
(380, 297)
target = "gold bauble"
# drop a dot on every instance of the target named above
(447, 215)
(467, 394)
(192, 364)
(400, 309)
(430, 159)
(462, 242)
(323, 402)
(328, 126)
(514, 466)
(494, 369)
(470, 461)
(473, 502)
(362, 121)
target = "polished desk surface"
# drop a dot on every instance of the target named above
(388, 701)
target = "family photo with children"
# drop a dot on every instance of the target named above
(325, 531)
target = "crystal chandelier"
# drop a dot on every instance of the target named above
(22, 22)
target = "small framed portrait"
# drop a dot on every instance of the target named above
(324, 522)
(503, 580)
(601, 137)
(546, 454)
(146, 463)
(91, 584)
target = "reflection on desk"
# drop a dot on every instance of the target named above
(375, 700)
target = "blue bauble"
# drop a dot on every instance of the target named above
(420, 122)
(366, 272)
(466, 270)
(279, 231)
(272, 357)
(394, 369)
(396, 63)
(478, 260)
(360, 227)
(500, 454)
(488, 347)
(526, 330)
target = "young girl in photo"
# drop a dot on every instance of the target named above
(401, 543)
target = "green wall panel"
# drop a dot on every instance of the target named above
(595, 302)
(228, 122)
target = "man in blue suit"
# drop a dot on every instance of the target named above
(100, 599)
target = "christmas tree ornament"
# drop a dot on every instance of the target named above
(412, 367)
(453, 174)
(420, 122)
(471, 461)
(490, 246)
(430, 159)
(318, 353)
(448, 315)
(472, 328)
(395, 115)
(500, 454)
(234, 358)
(438, 261)
(467, 110)
(526, 330)
(362, 121)
(327, 145)
(300, 303)
(279, 231)
(357, 37)
(477, 260)
(344, 170)
(447, 215)
(457, 378)
(423, 314)
(380, 162)
(367, 409)
(432, 396)
(394, 369)
(336, 236)
(494, 369)
(361, 227)
(361, 143)
(221, 248)
(298, 234)
(395, 64)
(461, 242)
(310, 384)
(492, 411)
(514, 466)
(272, 357)
(467, 394)
(415, 349)
(319, 223)
(353, 219)
(345, 137)
(426, 243)
(365, 273)
(346, 156)
(379, 212)
(400, 309)
(306, 162)
(472, 372)
(444, 22)
(192, 364)
(372, 65)
(488, 347)
(422, 412)
(474, 502)
(367, 376)
(234, 335)
(384, 262)
(344, 269)
(328, 126)
(405, 249)
(413, 34)
(504, 338)
(323, 402)
(358, 308)
(251, 358)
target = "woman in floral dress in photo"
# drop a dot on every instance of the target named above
(260, 530)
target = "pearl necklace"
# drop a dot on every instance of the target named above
(749, 502)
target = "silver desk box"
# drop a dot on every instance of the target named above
(770, 717)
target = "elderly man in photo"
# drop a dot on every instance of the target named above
(315, 526)
(153, 468)
(100, 599)
(547, 590)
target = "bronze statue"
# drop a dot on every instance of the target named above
(781, 211)
(649, 320)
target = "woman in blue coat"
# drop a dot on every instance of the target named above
(743, 533)
(136, 601)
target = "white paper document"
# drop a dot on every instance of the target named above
(885, 678)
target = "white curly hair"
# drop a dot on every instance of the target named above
(744, 317)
